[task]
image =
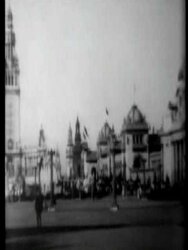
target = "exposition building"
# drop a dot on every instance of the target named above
(173, 136)
(137, 151)
(25, 166)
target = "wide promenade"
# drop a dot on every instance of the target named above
(87, 224)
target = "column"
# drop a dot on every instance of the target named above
(162, 162)
(177, 161)
(109, 166)
(181, 160)
(174, 162)
(184, 159)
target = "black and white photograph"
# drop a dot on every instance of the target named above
(95, 149)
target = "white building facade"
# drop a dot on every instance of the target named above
(173, 136)
(12, 107)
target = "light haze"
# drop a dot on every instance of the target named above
(78, 57)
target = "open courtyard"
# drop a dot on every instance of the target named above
(87, 224)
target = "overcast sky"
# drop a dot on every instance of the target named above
(78, 57)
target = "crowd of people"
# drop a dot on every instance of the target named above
(100, 186)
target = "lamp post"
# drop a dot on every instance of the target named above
(35, 169)
(114, 206)
(40, 162)
(25, 166)
(51, 153)
(144, 165)
(124, 169)
(20, 180)
(21, 154)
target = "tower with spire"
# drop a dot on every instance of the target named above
(77, 164)
(42, 140)
(73, 153)
(12, 93)
(77, 133)
(69, 154)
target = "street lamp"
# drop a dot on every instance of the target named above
(21, 154)
(35, 169)
(114, 206)
(51, 153)
(40, 162)
(124, 169)
(19, 175)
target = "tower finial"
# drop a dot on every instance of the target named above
(9, 17)
(70, 141)
(134, 93)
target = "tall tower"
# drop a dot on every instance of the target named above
(77, 166)
(77, 133)
(42, 141)
(12, 93)
(69, 154)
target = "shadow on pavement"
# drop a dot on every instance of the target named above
(22, 232)
(33, 245)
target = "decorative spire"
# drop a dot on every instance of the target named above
(41, 137)
(12, 65)
(70, 141)
(134, 93)
(9, 16)
(77, 132)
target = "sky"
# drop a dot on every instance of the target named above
(78, 57)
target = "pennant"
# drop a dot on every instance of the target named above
(84, 136)
(86, 131)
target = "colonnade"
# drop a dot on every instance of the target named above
(179, 160)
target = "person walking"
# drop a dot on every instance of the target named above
(39, 207)
(79, 187)
(139, 191)
(93, 186)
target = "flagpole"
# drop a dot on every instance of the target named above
(134, 93)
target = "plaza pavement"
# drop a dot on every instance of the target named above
(87, 224)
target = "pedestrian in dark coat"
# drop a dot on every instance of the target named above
(39, 207)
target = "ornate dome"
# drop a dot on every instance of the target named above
(104, 134)
(135, 119)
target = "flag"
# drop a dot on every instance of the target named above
(84, 136)
(107, 111)
(85, 131)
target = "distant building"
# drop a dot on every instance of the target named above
(69, 154)
(103, 151)
(104, 159)
(173, 136)
(80, 159)
(74, 164)
(89, 161)
(137, 153)
(77, 150)
(154, 157)
(12, 108)
(135, 138)
(37, 165)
